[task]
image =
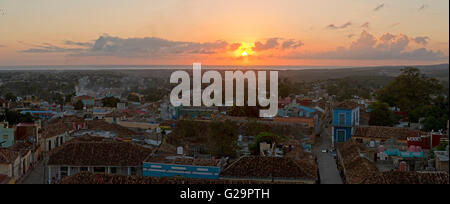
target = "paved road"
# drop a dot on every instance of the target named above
(328, 171)
(36, 176)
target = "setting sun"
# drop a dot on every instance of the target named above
(244, 50)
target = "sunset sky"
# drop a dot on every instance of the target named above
(224, 32)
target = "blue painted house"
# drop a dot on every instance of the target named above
(345, 119)
(40, 114)
(6, 135)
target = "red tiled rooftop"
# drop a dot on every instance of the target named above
(99, 154)
(347, 105)
(256, 167)
(26, 125)
(7, 156)
(384, 132)
(55, 129)
(91, 178)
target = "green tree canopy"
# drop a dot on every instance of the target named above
(133, 98)
(10, 97)
(222, 138)
(435, 115)
(15, 117)
(184, 130)
(110, 102)
(381, 115)
(79, 105)
(410, 90)
(266, 137)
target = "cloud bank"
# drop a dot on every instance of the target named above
(386, 47)
(277, 43)
(364, 47)
(423, 40)
(107, 45)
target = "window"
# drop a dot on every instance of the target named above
(341, 119)
(357, 117)
(99, 169)
(63, 171)
(49, 145)
(340, 136)
(5, 137)
(84, 169)
(133, 171)
(113, 170)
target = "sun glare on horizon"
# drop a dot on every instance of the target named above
(244, 50)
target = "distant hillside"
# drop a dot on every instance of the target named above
(440, 72)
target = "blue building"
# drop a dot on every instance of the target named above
(172, 166)
(6, 135)
(345, 119)
(40, 114)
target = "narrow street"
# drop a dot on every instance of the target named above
(35, 176)
(329, 174)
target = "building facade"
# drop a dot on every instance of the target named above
(344, 120)
(96, 157)
(181, 166)
(6, 135)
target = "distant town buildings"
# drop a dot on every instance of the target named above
(87, 100)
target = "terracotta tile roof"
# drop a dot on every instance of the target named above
(7, 156)
(256, 167)
(397, 177)
(68, 119)
(55, 129)
(347, 105)
(411, 177)
(90, 178)
(357, 167)
(360, 170)
(83, 98)
(122, 132)
(296, 120)
(26, 125)
(22, 147)
(88, 138)
(382, 132)
(99, 154)
(349, 150)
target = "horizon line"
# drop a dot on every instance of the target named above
(212, 65)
